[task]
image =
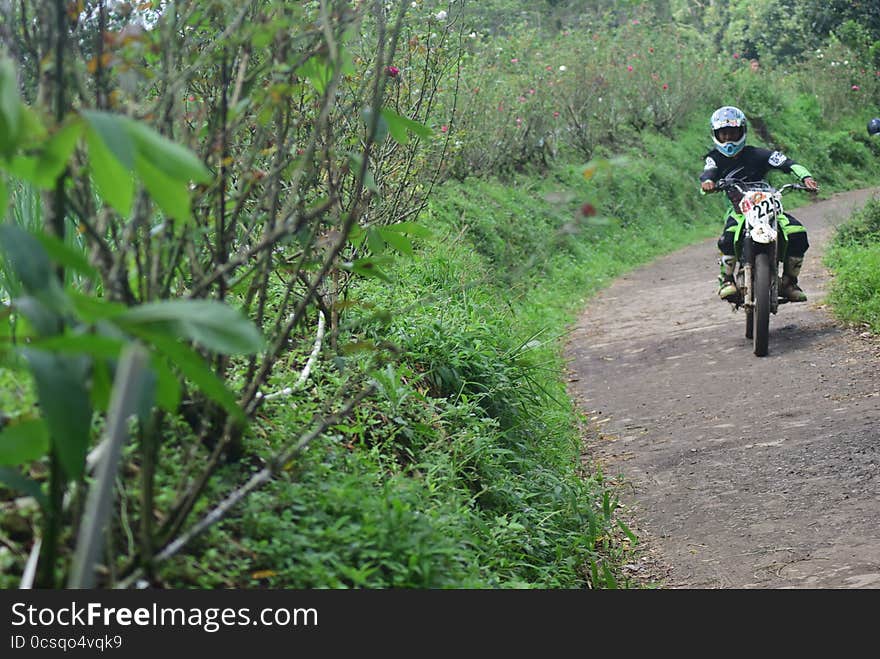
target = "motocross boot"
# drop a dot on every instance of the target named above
(726, 285)
(789, 285)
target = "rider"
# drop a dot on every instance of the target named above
(729, 128)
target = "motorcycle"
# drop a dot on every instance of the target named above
(758, 251)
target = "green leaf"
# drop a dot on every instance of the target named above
(191, 364)
(92, 309)
(25, 168)
(10, 108)
(112, 178)
(28, 258)
(65, 405)
(56, 154)
(146, 394)
(111, 130)
(17, 481)
(171, 195)
(216, 326)
(172, 159)
(23, 442)
(381, 124)
(399, 127)
(262, 38)
(410, 228)
(629, 534)
(4, 198)
(374, 241)
(168, 389)
(356, 160)
(65, 255)
(368, 267)
(102, 385)
(32, 128)
(318, 71)
(44, 320)
(397, 240)
(346, 61)
(94, 345)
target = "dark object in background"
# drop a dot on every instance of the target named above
(874, 126)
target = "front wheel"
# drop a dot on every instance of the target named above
(761, 289)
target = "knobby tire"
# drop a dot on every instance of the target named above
(761, 323)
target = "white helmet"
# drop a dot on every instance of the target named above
(725, 117)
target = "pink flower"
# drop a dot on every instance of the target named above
(550, 68)
(629, 67)
(444, 128)
(736, 56)
(588, 210)
(650, 50)
(514, 60)
(555, 115)
(521, 99)
(391, 71)
(855, 88)
(531, 91)
(635, 21)
(518, 121)
(665, 86)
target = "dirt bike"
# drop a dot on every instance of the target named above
(757, 272)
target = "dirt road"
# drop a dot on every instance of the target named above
(740, 472)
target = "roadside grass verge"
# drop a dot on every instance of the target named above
(854, 258)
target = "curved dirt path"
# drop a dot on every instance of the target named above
(740, 472)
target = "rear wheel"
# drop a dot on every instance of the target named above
(761, 323)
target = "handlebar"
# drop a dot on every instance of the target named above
(724, 185)
(796, 186)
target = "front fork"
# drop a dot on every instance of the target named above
(746, 278)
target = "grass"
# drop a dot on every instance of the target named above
(854, 259)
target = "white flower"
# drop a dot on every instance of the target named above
(414, 4)
(562, 68)
(441, 15)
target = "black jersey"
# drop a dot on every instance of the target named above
(755, 163)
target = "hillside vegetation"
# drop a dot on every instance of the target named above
(309, 266)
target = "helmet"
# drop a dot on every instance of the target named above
(874, 126)
(723, 118)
